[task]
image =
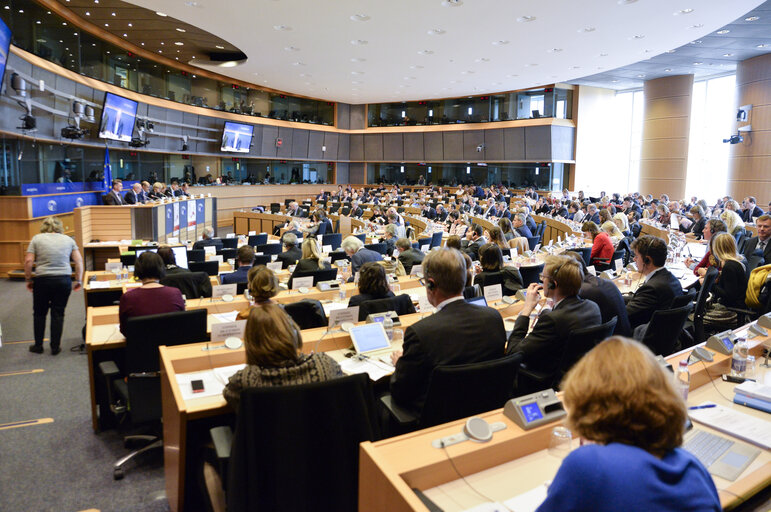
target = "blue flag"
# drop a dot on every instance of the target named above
(107, 181)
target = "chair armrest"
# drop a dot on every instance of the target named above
(400, 414)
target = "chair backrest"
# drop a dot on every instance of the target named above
(128, 259)
(700, 307)
(275, 207)
(362, 237)
(541, 228)
(261, 259)
(193, 285)
(258, 239)
(337, 255)
(382, 247)
(472, 291)
(311, 443)
(532, 241)
(623, 245)
(402, 304)
(582, 341)
(488, 279)
(229, 243)
(333, 239)
(196, 255)
(663, 331)
(530, 274)
(228, 254)
(684, 299)
(307, 313)
(424, 244)
(269, 248)
(211, 268)
(618, 254)
(463, 390)
(586, 254)
(436, 240)
(520, 243)
(318, 275)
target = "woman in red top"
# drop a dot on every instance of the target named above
(602, 246)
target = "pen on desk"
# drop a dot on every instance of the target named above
(708, 406)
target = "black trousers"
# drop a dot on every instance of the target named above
(50, 292)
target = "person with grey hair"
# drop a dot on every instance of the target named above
(519, 224)
(51, 251)
(390, 238)
(208, 240)
(134, 196)
(592, 214)
(291, 253)
(358, 254)
(356, 210)
(450, 336)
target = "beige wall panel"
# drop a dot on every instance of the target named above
(663, 168)
(664, 148)
(760, 115)
(665, 108)
(669, 87)
(756, 94)
(754, 70)
(758, 143)
(761, 190)
(749, 168)
(673, 188)
(665, 128)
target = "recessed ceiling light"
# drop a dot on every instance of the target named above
(142, 44)
(416, 66)
(425, 52)
(452, 3)
(219, 47)
(500, 42)
(360, 17)
(764, 45)
(281, 28)
(125, 35)
(614, 81)
(357, 72)
(291, 49)
(130, 24)
(698, 41)
(683, 11)
(112, 13)
(64, 23)
(106, 24)
(162, 43)
(359, 42)
(728, 55)
(641, 75)
(697, 63)
(525, 19)
(436, 32)
(358, 59)
(697, 25)
(723, 32)
(668, 70)
(179, 43)
(554, 50)
(163, 15)
(181, 30)
(626, 2)
(586, 29)
(160, 51)
(638, 36)
(603, 55)
(298, 63)
(482, 59)
(88, 13)
(670, 51)
(752, 18)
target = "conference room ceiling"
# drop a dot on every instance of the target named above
(361, 51)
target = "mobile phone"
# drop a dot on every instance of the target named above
(197, 386)
(731, 378)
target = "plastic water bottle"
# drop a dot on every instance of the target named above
(739, 359)
(388, 325)
(124, 274)
(683, 379)
(341, 293)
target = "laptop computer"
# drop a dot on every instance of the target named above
(477, 301)
(371, 340)
(721, 456)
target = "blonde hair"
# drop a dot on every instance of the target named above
(311, 249)
(611, 229)
(723, 248)
(52, 225)
(619, 393)
(263, 283)
(623, 220)
(565, 272)
(158, 185)
(733, 222)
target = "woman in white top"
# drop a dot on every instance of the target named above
(50, 252)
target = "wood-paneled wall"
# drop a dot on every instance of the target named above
(749, 166)
(666, 125)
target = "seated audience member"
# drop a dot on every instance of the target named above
(450, 336)
(622, 223)
(274, 357)
(208, 240)
(731, 285)
(157, 192)
(507, 228)
(733, 222)
(294, 210)
(612, 230)
(602, 246)
(454, 242)
(606, 295)
(291, 252)
(634, 223)
(475, 241)
(458, 226)
(697, 228)
(660, 286)
(114, 198)
(192, 287)
(152, 297)
(373, 284)
(408, 255)
(491, 260)
(311, 257)
(390, 238)
(592, 214)
(134, 196)
(562, 278)
(633, 423)
(263, 286)
(519, 225)
(711, 228)
(759, 246)
(750, 209)
(170, 261)
(495, 236)
(359, 255)
(245, 257)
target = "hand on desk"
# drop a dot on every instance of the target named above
(395, 355)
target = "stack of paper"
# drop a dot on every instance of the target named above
(753, 395)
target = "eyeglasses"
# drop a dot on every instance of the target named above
(542, 276)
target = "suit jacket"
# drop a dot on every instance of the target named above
(143, 197)
(299, 212)
(113, 199)
(748, 214)
(473, 248)
(607, 296)
(239, 276)
(411, 257)
(206, 242)
(656, 294)
(594, 218)
(131, 197)
(356, 212)
(543, 346)
(442, 216)
(429, 213)
(363, 256)
(458, 334)
(751, 246)
(289, 257)
(524, 231)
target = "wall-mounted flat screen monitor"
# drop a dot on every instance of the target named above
(5, 43)
(237, 137)
(118, 116)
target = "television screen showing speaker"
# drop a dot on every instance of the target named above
(5, 43)
(237, 137)
(118, 116)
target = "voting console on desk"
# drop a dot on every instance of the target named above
(534, 410)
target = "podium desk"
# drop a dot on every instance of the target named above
(516, 461)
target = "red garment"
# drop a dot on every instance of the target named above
(705, 263)
(602, 248)
(149, 301)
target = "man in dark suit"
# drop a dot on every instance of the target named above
(291, 253)
(294, 209)
(408, 255)
(660, 286)
(428, 212)
(606, 295)
(501, 211)
(519, 224)
(208, 240)
(562, 278)
(356, 211)
(448, 337)
(359, 255)
(113, 198)
(475, 241)
(758, 248)
(245, 258)
(592, 214)
(441, 213)
(133, 196)
(144, 194)
(750, 210)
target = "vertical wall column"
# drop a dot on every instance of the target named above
(749, 166)
(666, 126)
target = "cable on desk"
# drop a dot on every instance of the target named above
(713, 382)
(483, 496)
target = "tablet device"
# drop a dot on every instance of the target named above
(369, 338)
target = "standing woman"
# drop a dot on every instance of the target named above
(51, 251)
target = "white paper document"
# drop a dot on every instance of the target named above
(376, 369)
(738, 424)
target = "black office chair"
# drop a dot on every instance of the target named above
(318, 275)
(684, 299)
(313, 435)
(337, 255)
(261, 259)
(532, 241)
(458, 391)
(530, 274)
(229, 243)
(196, 255)
(586, 254)
(139, 395)
(193, 285)
(436, 240)
(333, 239)
(663, 332)
(241, 287)
(259, 239)
(307, 313)
(228, 254)
(424, 244)
(362, 237)
(269, 248)
(469, 292)
(275, 207)
(402, 304)
(211, 268)
(128, 259)
(382, 248)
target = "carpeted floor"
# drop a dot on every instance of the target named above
(63, 465)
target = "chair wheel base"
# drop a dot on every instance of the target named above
(117, 474)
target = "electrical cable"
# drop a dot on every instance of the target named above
(713, 382)
(483, 496)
